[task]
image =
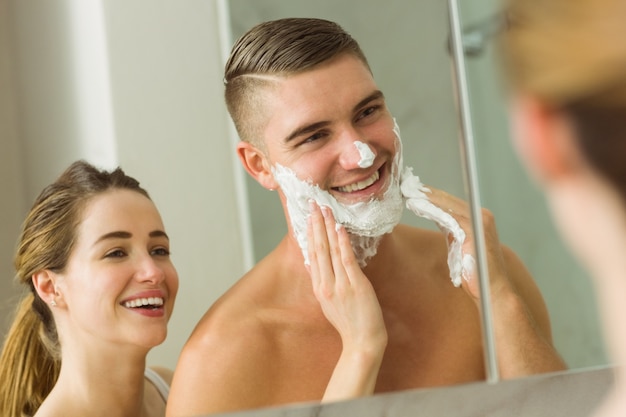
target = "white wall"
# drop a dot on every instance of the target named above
(136, 83)
(141, 86)
(12, 199)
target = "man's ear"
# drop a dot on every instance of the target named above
(45, 285)
(545, 139)
(257, 165)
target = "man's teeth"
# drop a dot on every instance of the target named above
(140, 302)
(360, 185)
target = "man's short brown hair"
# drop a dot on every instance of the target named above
(277, 48)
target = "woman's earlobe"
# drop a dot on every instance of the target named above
(44, 283)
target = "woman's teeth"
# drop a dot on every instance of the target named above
(141, 302)
(360, 185)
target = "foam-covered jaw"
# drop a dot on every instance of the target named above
(366, 222)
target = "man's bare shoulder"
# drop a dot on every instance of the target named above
(235, 316)
(230, 354)
(250, 311)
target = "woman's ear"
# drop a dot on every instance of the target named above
(45, 284)
(256, 164)
(545, 139)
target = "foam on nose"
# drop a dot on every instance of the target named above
(367, 156)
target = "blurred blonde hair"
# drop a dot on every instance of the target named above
(564, 51)
(571, 55)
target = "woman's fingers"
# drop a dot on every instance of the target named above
(345, 294)
(340, 278)
(322, 273)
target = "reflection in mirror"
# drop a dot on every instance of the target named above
(425, 114)
(519, 207)
(412, 67)
(405, 47)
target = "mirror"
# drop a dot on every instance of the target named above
(420, 95)
(406, 43)
(406, 46)
(523, 221)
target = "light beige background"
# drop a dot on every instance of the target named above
(138, 83)
(134, 83)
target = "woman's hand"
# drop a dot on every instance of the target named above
(349, 302)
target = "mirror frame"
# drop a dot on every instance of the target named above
(470, 171)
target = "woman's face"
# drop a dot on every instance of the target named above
(119, 285)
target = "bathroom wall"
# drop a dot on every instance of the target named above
(11, 190)
(144, 90)
(135, 83)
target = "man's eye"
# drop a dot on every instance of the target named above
(314, 137)
(368, 111)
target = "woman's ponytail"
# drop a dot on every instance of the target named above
(29, 363)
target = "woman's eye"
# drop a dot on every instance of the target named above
(117, 253)
(161, 252)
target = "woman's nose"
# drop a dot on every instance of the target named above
(149, 271)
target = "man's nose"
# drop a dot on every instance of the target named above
(355, 153)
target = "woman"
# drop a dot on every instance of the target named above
(94, 256)
(566, 65)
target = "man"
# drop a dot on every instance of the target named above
(302, 325)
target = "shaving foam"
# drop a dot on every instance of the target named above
(367, 222)
(367, 156)
(417, 201)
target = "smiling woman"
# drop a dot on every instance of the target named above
(94, 256)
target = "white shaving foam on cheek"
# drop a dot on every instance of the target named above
(366, 222)
(367, 156)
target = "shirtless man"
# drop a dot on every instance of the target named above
(301, 95)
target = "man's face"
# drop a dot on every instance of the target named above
(315, 119)
(330, 138)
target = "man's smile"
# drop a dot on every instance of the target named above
(360, 185)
